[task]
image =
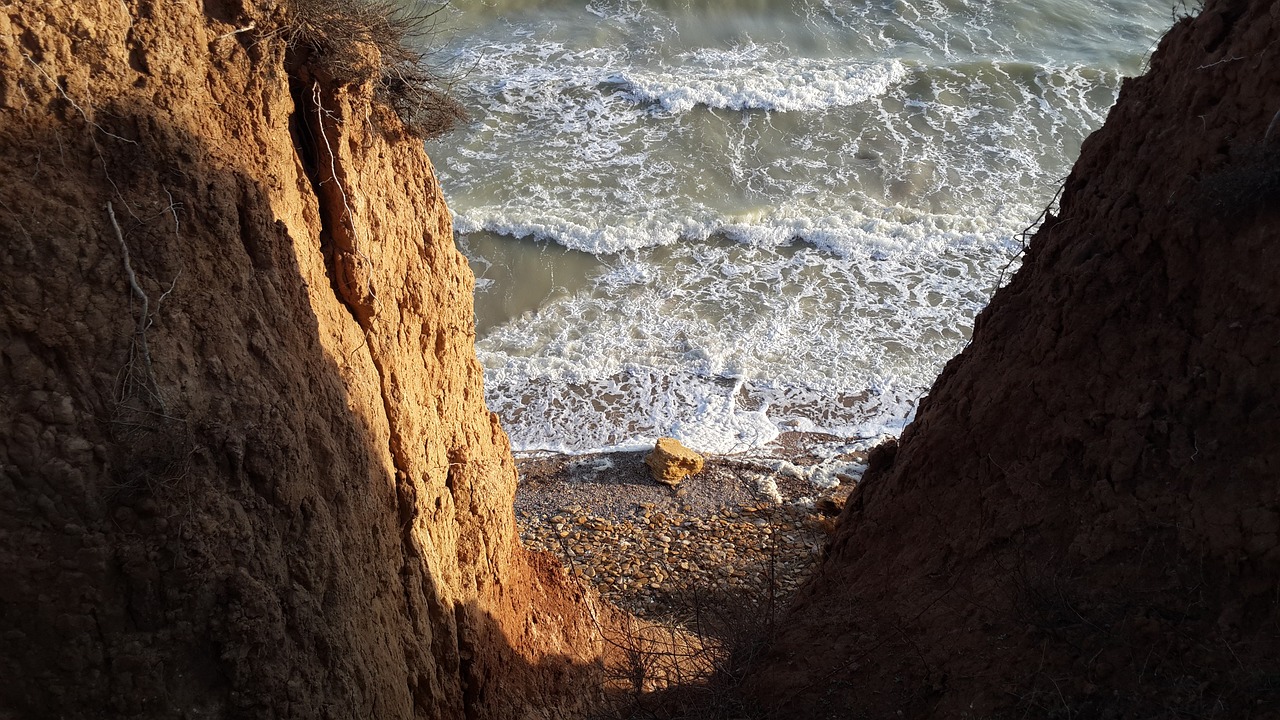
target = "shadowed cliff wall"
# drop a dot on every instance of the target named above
(1083, 519)
(245, 465)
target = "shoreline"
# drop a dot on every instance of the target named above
(749, 526)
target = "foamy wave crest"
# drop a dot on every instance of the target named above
(871, 235)
(578, 231)
(632, 408)
(747, 80)
(804, 256)
(724, 344)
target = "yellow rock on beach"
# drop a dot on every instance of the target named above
(671, 462)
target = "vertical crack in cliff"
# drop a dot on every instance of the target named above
(316, 133)
(346, 266)
(472, 691)
(302, 128)
(312, 128)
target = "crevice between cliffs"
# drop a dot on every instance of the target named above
(316, 127)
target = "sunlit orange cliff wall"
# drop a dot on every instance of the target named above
(246, 469)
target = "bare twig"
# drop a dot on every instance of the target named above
(321, 114)
(1272, 126)
(144, 318)
(1061, 697)
(93, 140)
(164, 295)
(349, 216)
(173, 208)
(237, 31)
(1025, 236)
(74, 104)
(1233, 58)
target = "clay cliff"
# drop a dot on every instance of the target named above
(1083, 519)
(246, 469)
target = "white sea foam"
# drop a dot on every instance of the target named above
(767, 485)
(588, 469)
(846, 232)
(661, 344)
(840, 334)
(830, 474)
(753, 78)
(805, 255)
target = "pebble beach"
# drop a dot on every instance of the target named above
(739, 528)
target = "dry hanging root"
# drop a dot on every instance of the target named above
(144, 318)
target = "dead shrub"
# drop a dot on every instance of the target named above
(153, 453)
(691, 663)
(374, 41)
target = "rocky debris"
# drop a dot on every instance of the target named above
(671, 462)
(654, 562)
(658, 553)
(834, 505)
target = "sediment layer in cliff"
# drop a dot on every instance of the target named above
(245, 464)
(1082, 521)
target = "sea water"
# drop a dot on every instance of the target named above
(720, 220)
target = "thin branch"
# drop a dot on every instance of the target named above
(90, 123)
(74, 104)
(1024, 237)
(321, 114)
(173, 208)
(145, 317)
(237, 31)
(165, 294)
(1267, 136)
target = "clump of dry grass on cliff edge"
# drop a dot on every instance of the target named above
(377, 41)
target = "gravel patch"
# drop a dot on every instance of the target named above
(741, 527)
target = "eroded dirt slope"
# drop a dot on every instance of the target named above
(1083, 520)
(245, 465)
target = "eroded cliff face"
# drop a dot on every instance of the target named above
(1082, 521)
(245, 464)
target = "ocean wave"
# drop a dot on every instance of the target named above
(848, 233)
(805, 252)
(629, 410)
(724, 344)
(749, 80)
(575, 231)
